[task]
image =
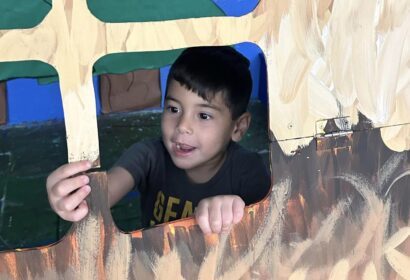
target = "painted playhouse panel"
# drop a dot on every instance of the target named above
(334, 213)
(338, 83)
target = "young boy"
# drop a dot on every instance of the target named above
(196, 166)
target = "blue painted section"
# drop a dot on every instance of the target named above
(163, 73)
(29, 101)
(251, 51)
(236, 7)
(254, 55)
(263, 80)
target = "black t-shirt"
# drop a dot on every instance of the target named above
(167, 193)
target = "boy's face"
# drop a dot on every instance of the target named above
(196, 132)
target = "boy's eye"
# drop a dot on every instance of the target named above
(172, 109)
(205, 116)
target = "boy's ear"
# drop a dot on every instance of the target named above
(241, 126)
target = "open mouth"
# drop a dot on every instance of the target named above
(183, 149)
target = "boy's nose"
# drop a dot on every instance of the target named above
(184, 126)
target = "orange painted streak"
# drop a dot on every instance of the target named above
(136, 234)
(45, 256)
(167, 247)
(169, 231)
(100, 261)
(302, 201)
(185, 223)
(70, 239)
(295, 212)
(212, 239)
(11, 264)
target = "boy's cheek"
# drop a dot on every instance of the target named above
(166, 127)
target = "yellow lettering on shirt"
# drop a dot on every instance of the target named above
(187, 209)
(159, 206)
(169, 213)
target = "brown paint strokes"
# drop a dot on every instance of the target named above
(358, 234)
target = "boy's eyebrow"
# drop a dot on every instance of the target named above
(203, 105)
(171, 98)
(206, 105)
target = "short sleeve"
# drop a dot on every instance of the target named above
(255, 179)
(139, 161)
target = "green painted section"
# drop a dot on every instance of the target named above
(23, 13)
(148, 10)
(126, 62)
(29, 154)
(28, 69)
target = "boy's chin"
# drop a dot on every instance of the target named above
(183, 163)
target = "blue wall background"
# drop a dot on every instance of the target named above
(28, 101)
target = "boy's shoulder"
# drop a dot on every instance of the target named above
(238, 150)
(150, 144)
(145, 149)
(242, 156)
(250, 174)
(142, 153)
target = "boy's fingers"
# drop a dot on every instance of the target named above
(67, 186)
(78, 214)
(66, 171)
(227, 217)
(202, 218)
(238, 206)
(219, 213)
(215, 216)
(74, 200)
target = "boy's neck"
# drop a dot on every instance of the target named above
(203, 174)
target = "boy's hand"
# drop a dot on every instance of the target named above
(218, 213)
(66, 194)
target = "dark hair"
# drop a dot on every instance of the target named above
(208, 71)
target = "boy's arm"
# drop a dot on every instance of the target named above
(218, 213)
(120, 182)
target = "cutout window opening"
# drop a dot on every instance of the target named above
(37, 142)
(133, 121)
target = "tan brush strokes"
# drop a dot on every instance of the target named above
(95, 249)
(324, 59)
(370, 272)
